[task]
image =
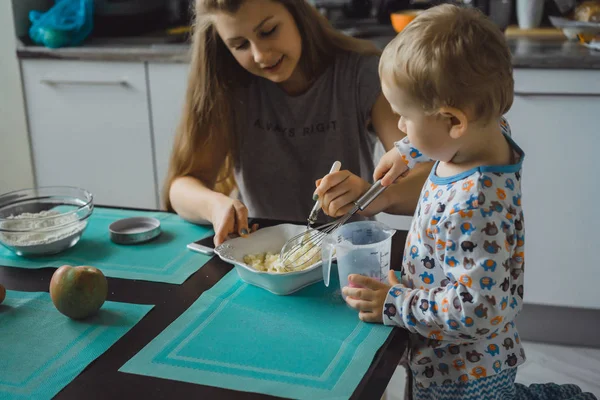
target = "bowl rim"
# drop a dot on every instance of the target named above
(89, 203)
(219, 251)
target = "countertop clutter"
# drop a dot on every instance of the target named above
(529, 51)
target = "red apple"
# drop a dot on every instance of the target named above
(78, 292)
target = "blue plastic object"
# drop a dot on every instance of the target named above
(67, 23)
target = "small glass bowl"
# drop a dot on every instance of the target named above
(45, 220)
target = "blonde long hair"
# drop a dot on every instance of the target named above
(205, 145)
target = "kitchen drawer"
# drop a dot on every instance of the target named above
(90, 127)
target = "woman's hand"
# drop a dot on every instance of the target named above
(230, 218)
(338, 191)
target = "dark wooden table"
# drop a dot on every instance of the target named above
(102, 380)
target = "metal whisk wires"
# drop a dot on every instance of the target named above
(303, 249)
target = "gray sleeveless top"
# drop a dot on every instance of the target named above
(287, 142)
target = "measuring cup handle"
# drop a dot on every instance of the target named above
(327, 257)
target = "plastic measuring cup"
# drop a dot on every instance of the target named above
(361, 248)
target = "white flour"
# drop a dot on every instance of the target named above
(42, 229)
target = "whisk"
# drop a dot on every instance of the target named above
(303, 249)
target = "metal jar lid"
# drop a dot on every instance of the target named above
(134, 230)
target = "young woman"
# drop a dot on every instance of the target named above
(275, 95)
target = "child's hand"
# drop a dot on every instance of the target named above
(390, 167)
(368, 295)
(338, 191)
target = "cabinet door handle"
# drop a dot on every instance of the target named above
(55, 82)
(555, 94)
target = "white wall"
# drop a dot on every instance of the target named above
(16, 171)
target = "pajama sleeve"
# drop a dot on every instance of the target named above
(410, 155)
(480, 259)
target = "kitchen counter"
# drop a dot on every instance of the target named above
(152, 49)
(528, 52)
(552, 54)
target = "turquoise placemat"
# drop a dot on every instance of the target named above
(165, 259)
(309, 345)
(41, 350)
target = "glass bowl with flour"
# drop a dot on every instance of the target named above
(44, 221)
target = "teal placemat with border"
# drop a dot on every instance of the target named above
(164, 259)
(309, 345)
(42, 351)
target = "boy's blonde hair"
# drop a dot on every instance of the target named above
(452, 56)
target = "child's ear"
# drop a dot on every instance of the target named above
(457, 121)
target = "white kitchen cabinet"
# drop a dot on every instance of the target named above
(90, 127)
(167, 83)
(554, 119)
